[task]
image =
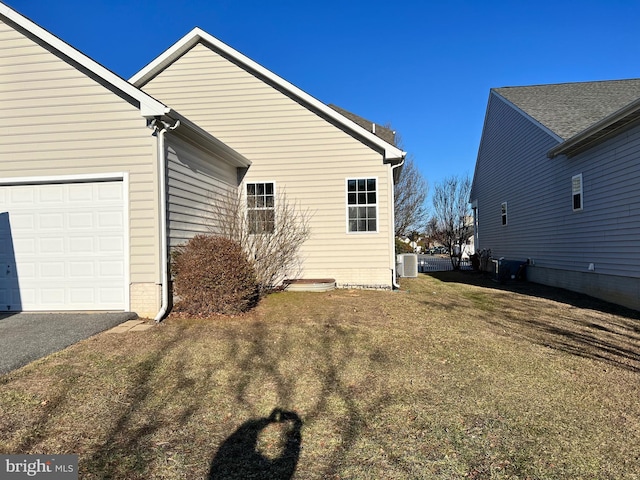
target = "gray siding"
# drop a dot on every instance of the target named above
(513, 167)
(194, 177)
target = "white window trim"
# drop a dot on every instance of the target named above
(346, 202)
(504, 214)
(275, 199)
(574, 192)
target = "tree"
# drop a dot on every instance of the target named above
(411, 213)
(451, 223)
(271, 238)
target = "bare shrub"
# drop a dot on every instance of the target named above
(213, 276)
(272, 249)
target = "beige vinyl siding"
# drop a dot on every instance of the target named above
(305, 155)
(59, 121)
(193, 178)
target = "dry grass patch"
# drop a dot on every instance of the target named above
(452, 377)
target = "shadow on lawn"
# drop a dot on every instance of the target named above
(239, 457)
(578, 324)
(568, 297)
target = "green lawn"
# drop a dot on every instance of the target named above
(452, 377)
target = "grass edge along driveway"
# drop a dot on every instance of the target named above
(453, 376)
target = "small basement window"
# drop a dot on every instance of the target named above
(576, 192)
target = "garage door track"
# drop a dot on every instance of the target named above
(25, 337)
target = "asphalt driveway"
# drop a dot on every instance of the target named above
(25, 337)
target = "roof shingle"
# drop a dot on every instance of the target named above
(569, 108)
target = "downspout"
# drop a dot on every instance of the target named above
(164, 234)
(393, 223)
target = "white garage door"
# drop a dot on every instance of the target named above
(62, 246)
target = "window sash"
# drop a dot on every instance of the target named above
(503, 210)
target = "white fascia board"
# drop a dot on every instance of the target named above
(391, 154)
(149, 106)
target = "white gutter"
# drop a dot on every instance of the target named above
(393, 223)
(164, 247)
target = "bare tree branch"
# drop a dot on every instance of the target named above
(411, 191)
(451, 223)
(274, 253)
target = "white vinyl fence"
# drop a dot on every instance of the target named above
(433, 263)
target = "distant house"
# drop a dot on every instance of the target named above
(557, 184)
(99, 178)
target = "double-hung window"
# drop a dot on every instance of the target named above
(362, 205)
(261, 207)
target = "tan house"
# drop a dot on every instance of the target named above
(340, 171)
(91, 166)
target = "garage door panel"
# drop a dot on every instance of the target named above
(53, 245)
(65, 243)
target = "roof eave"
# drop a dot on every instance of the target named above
(208, 141)
(598, 130)
(149, 107)
(390, 153)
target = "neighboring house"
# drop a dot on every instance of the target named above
(556, 183)
(342, 173)
(91, 166)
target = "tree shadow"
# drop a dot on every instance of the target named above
(239, 456)
(580, 325)
(557, 294)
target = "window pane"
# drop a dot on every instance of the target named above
(362, 225)
(353, 213)
(371, 197)
(251, 188)
(362, 212)
(353, 226)
(371, 212)
(269, 202)
(361, 185)
(268, 188)
(577, 202)
(362, 198)
(371, 225)
(351, 199)
(371, 184)
(260, 188)
(351, 185)
(259, 202)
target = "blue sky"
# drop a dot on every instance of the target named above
(425, 67)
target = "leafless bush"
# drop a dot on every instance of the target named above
(211, 276)
(271, 238)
